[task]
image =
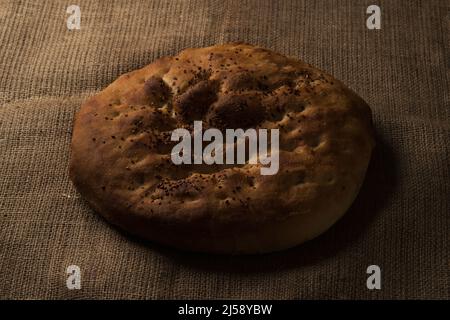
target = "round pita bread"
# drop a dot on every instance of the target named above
(121, 150)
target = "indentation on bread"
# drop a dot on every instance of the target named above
(157, 90)
(241, 81)
(236, 111)
(194, 102)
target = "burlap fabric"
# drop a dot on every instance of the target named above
(400, 220)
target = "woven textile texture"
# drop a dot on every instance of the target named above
(400, 220)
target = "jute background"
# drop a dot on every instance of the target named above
(400, 220)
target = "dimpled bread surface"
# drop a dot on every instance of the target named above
(121, 150)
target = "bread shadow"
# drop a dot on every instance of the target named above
(376, 190)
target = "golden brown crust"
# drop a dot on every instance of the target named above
(121, 150)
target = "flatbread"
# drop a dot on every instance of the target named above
(121, 150)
